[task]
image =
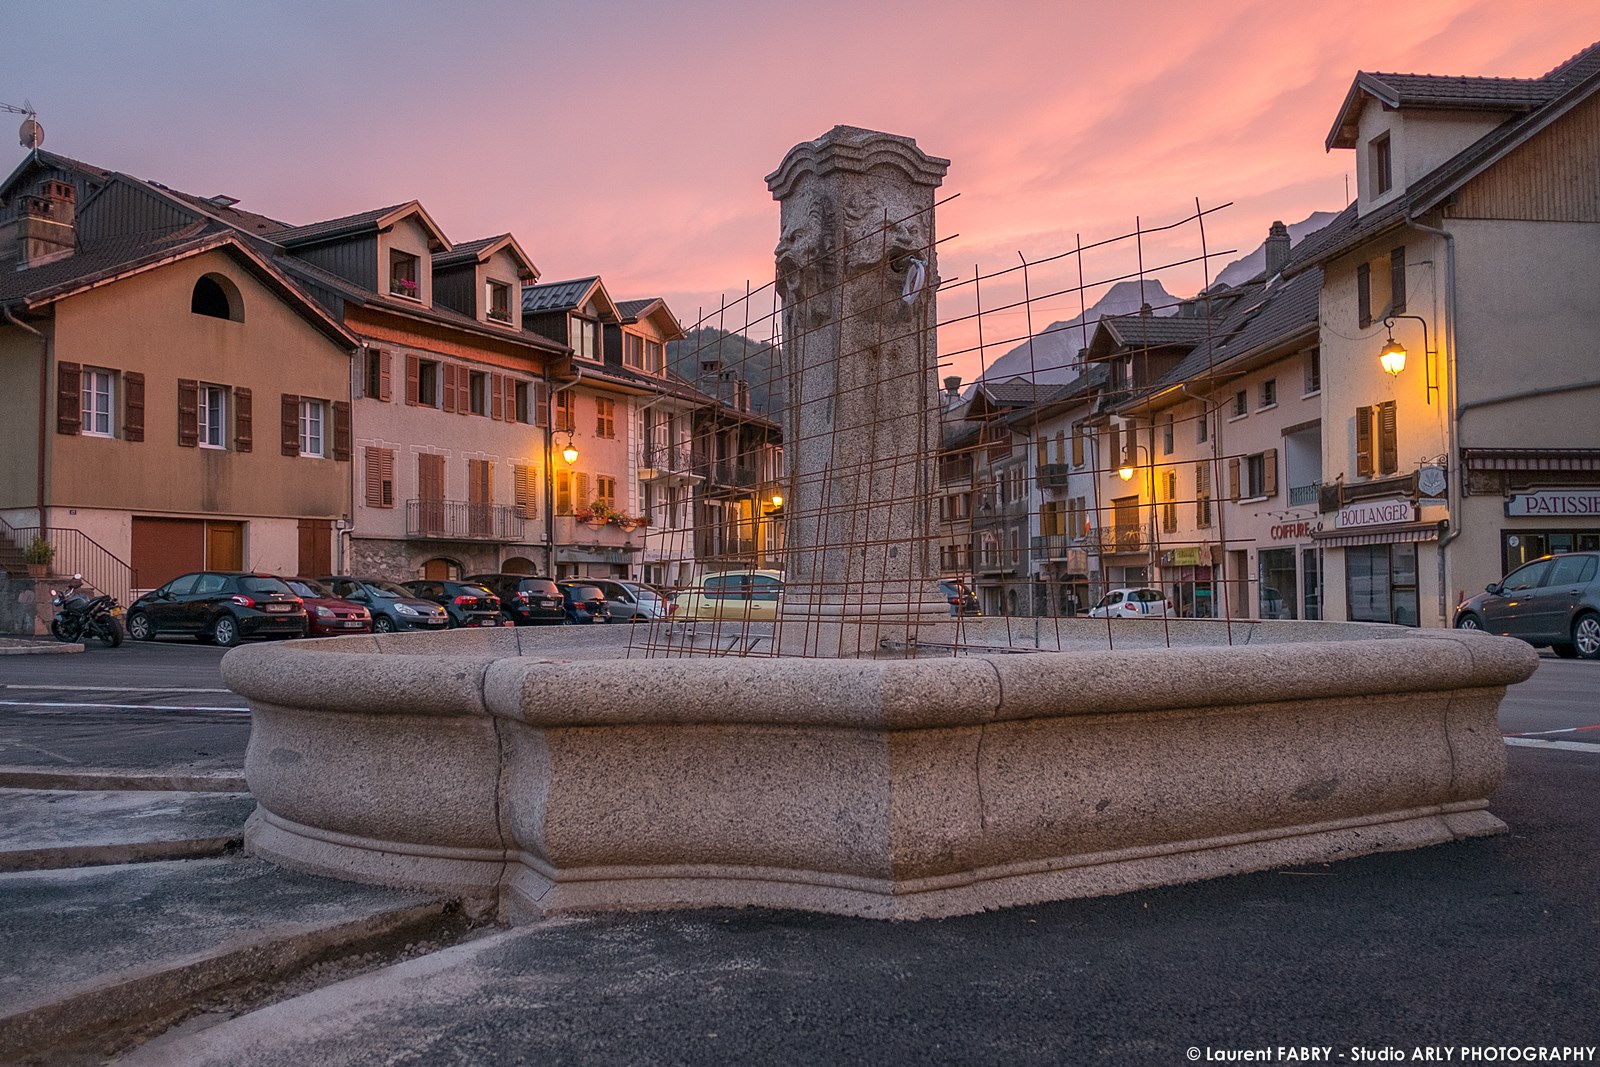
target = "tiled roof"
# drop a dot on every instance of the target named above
(632, 309)
(364, 220)
(556, 296)
(1023, 391)
(1140, 331)
(247, 221)
(465, 252)
(103, 258)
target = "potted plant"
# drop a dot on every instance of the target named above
(37, 556)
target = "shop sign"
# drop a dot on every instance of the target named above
(1556, 503)
(1375, 513)
(1186, 557)
(1291, 531)
(1431, 481)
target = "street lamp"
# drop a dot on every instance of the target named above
(1126, 472)
(1393, 356)
(570, 452)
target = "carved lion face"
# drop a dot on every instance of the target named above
(882, 233)
(805, 250)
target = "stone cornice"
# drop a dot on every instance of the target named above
(852, 150)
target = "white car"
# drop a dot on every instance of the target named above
(1132, 604)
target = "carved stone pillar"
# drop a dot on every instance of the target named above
(856, 271)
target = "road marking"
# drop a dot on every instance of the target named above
(1565, 730)
(119, 688)
(1565, 746)
(126, 707)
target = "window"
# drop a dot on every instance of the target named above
(498, 301)
(653, 361)
(98, 391)
(422, 382)
(521, 401)
(1269, 394)
(1053, 519)
(380, 477)
(1313, 371)
(1169, 506)
(477, 392)
(584, 336)
(1241, 404)
(1382, 164)
(1167, 436)
(1261, 474)
(1381, 583)
(1364, 295)
(633, 350)
(563, 492)
(212, 409)
(1377, 440)
(1202, 427)
(311, 443)
(605, 491)
(605, 417)
(566, 413)
(403, 275)
(377, 384)
(216, 297)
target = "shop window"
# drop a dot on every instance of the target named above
(1381, 583)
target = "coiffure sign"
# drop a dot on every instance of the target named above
(1375, 513)
(1555, 503)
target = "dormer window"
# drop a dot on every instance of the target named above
(497, 299)
(1382, 164)
(584, 336)
(403, 275)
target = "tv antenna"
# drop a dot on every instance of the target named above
(31, 133)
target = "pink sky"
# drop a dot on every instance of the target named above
(630, 138)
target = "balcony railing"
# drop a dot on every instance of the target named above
(1113, 539)
(461, 520)
(666, 459)
(1300, 495)
(1051, 546)
(1053, 475)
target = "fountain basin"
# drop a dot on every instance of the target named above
(545, 771)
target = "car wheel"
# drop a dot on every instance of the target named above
(1565, 651)
(139, 627)
(1586, 635)
(383, 625)
(1469, 622)
(225, 631)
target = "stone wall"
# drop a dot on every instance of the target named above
(25, 606)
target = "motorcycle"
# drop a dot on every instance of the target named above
(79, 616)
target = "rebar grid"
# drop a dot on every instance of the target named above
(998, 502)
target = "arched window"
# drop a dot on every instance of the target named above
(217, 297)
(517, 565)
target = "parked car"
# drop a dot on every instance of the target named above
(631, 601)
(392, 607)
(963, 601)
(1554, 601)
(467, 603)
(328, 615)
(748, 596)
(218, 607)
(584, 601)
(1139, 603)
(524, 599)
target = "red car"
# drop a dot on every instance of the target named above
(326, 614)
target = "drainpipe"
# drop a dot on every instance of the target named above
(549, 470)
(1452, 415)
(44, 404)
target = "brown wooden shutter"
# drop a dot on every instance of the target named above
(1202, 494)
(243, 421)
(69, 398)
(480, 481)
(413, 378)
(385, 365)
(1077, 447)
(1364, 465)
(581, 490)
(430, 476)
(1114, 450)
(1233, 478)
(1388, 439)
(463, 391)
(497, 396)
(1269, 468)
(527, 492)
(541, 404)
(450, 387)
(189, 413)
(289, 419)
(374, 472)
(1364, 294)
(132, 406)
(341, 431)
(1397, 280)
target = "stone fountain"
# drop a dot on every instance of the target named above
(535, 771)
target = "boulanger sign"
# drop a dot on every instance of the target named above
(1555, 503)
(1375, 513)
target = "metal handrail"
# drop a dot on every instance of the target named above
(75, 552)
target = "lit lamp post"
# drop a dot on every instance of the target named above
(1393, 356)
(1126, 472)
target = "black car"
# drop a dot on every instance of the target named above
(393, 608)
(467, 603)
(218, 607)
(963, 601)
(524, 599)
(585, 603)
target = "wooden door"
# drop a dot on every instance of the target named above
(316, 547)
(225, 546)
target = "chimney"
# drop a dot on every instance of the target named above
(44, 227)
(1277, 249)
(952, 389)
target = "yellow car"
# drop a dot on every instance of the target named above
(743, 596)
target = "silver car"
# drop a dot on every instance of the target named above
(631, 601)
(1552, 601)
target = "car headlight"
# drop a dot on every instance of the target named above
(406, 609)
(324, 613)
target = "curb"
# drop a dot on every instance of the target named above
(102, 778)
(58, 857)
(160, 993)
(24, 647)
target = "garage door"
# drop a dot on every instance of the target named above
(166, 548)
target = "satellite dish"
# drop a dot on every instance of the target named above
(31, 133)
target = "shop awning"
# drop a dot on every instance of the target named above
(1531, 459)
(1383, 535)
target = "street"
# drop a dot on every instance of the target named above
(163, 703)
